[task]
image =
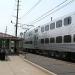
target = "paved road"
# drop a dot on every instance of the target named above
(17, 66)
(57, 66)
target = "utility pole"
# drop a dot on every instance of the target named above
(17, 15)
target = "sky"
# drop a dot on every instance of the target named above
(8, 13)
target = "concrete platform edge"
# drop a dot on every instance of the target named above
(41, 68)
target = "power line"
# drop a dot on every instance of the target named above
(42, 17)
(31, 9)
(50, 10)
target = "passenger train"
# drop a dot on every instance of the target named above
(54, 39)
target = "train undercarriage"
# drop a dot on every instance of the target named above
(69, 56)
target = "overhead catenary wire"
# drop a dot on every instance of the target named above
(51, 12)
(60, 6)
(44, 13)
(31, 9)
(52, 9)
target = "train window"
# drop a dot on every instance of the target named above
(52, 40)
(30, 42)
(26, 42)
(36, 30)
(67, 38)
(46, 27)
(37, 38)
(42, 41)
(59, 39)
(67, 21)
(74, 38)
(42, 29)
(59, 23)
(46, 40)
(52, 25)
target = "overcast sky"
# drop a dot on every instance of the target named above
(8, 13)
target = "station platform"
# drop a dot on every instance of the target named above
(15, 65)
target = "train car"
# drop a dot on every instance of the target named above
(56, 38)
(29, 41)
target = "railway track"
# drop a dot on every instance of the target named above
(56, 66)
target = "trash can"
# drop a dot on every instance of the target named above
(2, 55)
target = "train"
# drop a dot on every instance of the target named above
(54, 39)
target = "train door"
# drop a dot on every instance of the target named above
(35, 41)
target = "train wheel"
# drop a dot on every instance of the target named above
(62, 55)
(53, 54)
(68, 56)
(57, 54)
(73, 56)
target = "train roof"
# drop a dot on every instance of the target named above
(58, 18)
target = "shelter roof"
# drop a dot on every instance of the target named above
(7, 36)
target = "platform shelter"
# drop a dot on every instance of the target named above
(10, 43)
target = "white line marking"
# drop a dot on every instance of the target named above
(41, 68)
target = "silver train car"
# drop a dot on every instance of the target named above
(54, 39)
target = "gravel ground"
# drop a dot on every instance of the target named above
(59, 67)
